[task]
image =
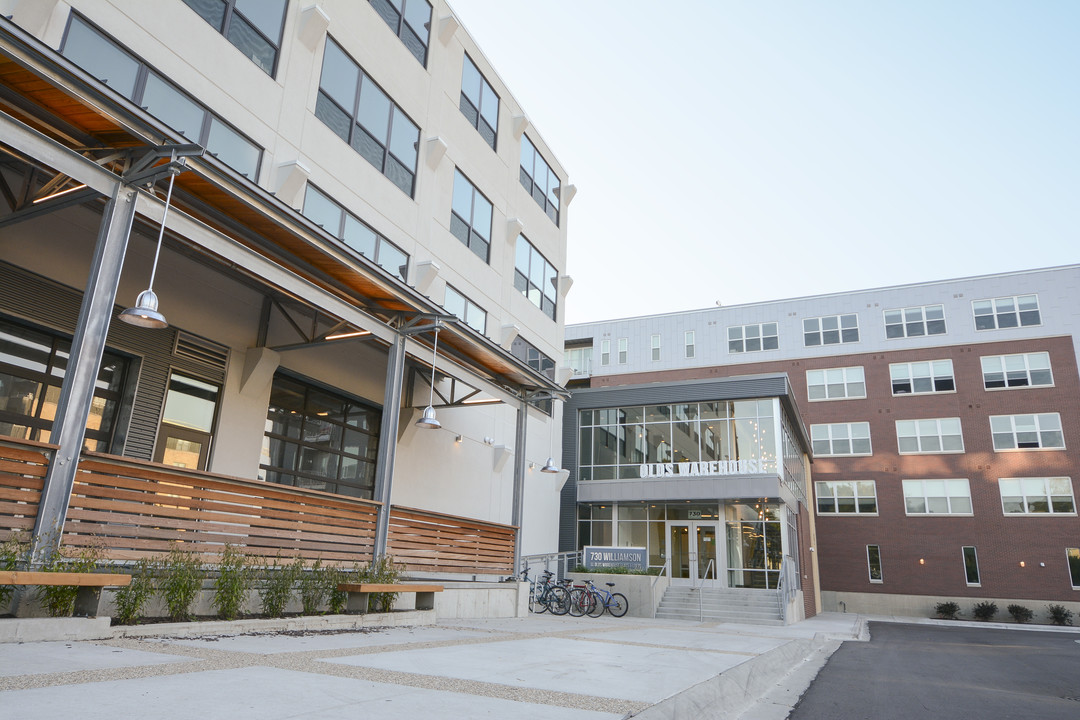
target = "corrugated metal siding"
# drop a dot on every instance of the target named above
(42, 302)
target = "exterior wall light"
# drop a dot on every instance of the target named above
(145, 313)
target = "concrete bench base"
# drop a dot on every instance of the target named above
(357, 601)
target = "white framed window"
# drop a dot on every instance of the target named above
(688, 344)
(839, 439)
(473, 315)
(831, 330)
(937, 497)
(624, 350)
(1021, 370)
(579, 360)
(1037, 496)
(919, 378)
(1006, 312)
(753, 338)
(654, 344)
(873, 563)
(971, 565)
(1072, 556)
(1027, 432)
(850, 497)
(605, 352)
(836, 383)
(915, 321)
(930, 435)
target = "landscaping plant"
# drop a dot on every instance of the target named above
(181, 580)
(233, 582)
(277, 588)
(1020, 613)
(131, 599)
(383, 571)
(59, 600)
(13, 553)
(947, 610)
(985, 610)
(316, 585)
(1059, 614)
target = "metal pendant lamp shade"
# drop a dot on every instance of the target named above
(428, 419)
(549, 466)
(145, 313)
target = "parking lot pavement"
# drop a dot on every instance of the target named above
(533, 667)
(933, 670)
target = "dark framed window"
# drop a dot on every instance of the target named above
(339, 222)
(539, 179)
(479, 103)
(32, 367)
(360, 113)
(469, 312)
(971, 565)
(470, 216)
(253, 26)
(525, 350)
(319, 439)
(873, 563)
(411, 21)
(535, 277)
(102, 57)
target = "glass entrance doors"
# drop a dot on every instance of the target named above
(691, 548)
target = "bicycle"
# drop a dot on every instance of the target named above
(601, 600)
(547, 595)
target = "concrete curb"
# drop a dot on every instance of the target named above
(18, 630)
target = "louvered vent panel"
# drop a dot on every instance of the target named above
(201, 350)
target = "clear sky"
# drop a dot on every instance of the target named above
(748, 151)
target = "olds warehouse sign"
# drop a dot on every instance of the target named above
(752, 466)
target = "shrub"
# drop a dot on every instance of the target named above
(1020, 613)
(233, 582)
(383, 571)
(278, 582)
(13, 554)
(985, 610)
(182, 577)
(947, 610)
(317, 584)
(131, 599)
(1059, 614)
(59, 600)
(337, 599)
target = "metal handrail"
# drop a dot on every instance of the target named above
(700, 613)
(652, 586)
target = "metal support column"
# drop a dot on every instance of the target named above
(87, 347)
(519, 477)
(388, 431)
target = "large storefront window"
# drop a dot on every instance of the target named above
(32, 367)
(320, 440)
(754, 545)
(623, 443)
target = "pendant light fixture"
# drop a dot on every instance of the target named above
(550, 466)
(428, 419)
(145, 313)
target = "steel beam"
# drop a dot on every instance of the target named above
(388, 434)
(519, 477)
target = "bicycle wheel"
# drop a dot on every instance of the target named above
(618, 605)
(558, 601)
(596, 605)
(577, 600)
(537, 603)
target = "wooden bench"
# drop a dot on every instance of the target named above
(358, 594)
(89, 584)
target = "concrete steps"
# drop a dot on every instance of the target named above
(754, 607)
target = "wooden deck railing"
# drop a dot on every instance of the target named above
(134, 509)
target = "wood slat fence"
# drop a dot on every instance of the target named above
(432, 542)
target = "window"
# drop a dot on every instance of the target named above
(539, 179)
(873, 562)
(688, 343)
(1006, 312)
(472, 314)
(343, 225)
(535, 277)
(479, 103)
(253, 26)
(1073, 556)
(835, 383)
(579, 360)
(1009, 371)
(32, 368)
(525, 350)
(937, 497)
(838, 439)
(971, 565)
(410, 20)
(831, 330)
(1037, 496)
(319, 439)
(915, 321)
(752, 338)
(137, 82)
(933, 435)
(654, 344)
(361, 114)
(857, 497)
(1027, 432)
(470, 216)
(919, 378)
(187, 422)
(624, 350)
(605, 352)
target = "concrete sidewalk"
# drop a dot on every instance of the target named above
(534, 667)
